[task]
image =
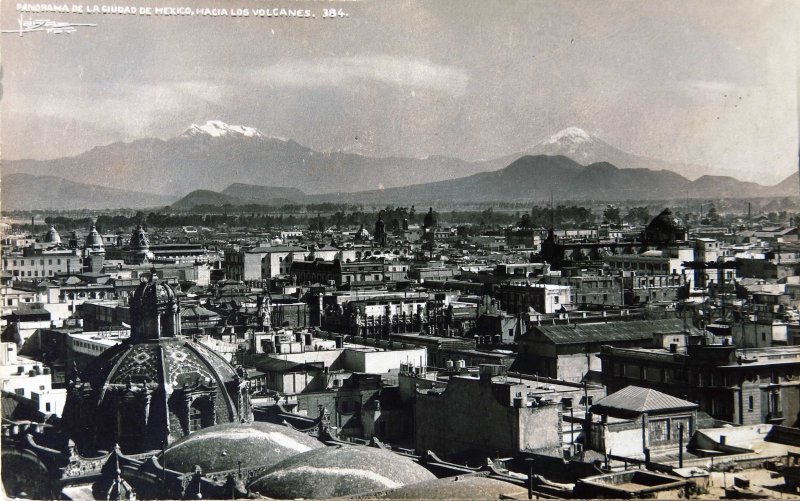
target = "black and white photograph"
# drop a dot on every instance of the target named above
(400, 249)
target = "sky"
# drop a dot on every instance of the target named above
(711, 83)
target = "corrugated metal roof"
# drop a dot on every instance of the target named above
(634, 330)
(637, 400)
(276, 248)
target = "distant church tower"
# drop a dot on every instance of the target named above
(380, 231)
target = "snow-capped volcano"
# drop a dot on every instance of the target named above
(575, 143)
(585, 148)
(574, 135)
(218, 128)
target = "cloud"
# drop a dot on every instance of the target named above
(341, 71)
(129, 107)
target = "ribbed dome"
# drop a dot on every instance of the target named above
(140, 394)
(157, 386)
(339, 471)
(221, 447)
(52, 236)
(139, 239)
(93, 240)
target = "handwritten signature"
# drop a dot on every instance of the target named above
(45, 25)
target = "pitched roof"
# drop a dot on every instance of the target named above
(635, 330)
(635, 400)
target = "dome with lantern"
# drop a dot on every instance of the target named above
(94, 242)
(139, 239)
(52, 237)
(157, 386)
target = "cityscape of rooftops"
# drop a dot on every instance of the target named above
(486, 250)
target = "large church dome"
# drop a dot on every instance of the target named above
(156, 387)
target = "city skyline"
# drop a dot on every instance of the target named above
(707, 84)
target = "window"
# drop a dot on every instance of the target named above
(47, 407)
(555, 299)
(750, 403)
(195, 419)
(659, 430)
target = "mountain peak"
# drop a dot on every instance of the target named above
(574, 135)
(218, 128)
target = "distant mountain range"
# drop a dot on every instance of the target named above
(213, 155)
(217, 164)
(25, 192)
(537, 177)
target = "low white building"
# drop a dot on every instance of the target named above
(30, 380)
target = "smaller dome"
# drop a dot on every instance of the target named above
(139, 239)
(93, 240)
(221, 447)
(52, 236)
(152, 293)
(665, 228)
(362, 233)
(339, 471)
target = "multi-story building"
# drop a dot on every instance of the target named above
(262, 262)
(35, 262)
(338, 273)
(544, 298)
(570, 351)
(741, 386)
